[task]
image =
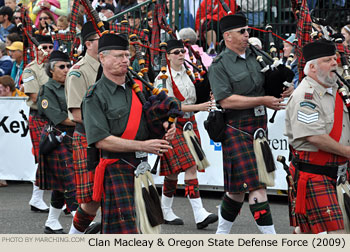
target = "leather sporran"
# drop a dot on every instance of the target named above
(215, 126)
(49, 143)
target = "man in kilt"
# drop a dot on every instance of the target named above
(80, 77)
(180, 159)
(237, 85)
(115, 123)
(33, 78)
(55, 170)
(317, 126)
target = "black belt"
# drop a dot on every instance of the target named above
(231, 114)
(79, 127)
(329, 171)
(118, 155)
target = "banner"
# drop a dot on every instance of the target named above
(16, 158)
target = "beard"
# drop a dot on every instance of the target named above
(326, 78)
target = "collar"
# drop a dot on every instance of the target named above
(92, 61)
(234, 55)
(321, 90)
(55, 84)
(111, 86)
(174, 72)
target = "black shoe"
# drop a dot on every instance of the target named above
(35, 209)
(176, 221)
(93, 228)
(66, 211)
(48, 230)
(209, 220)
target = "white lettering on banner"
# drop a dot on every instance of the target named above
(16, 158)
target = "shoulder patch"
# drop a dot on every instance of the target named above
(90, 90)
(76, 66)
(44, 104)
(217, 58)
(308, 104)
(27, 70)
(75, 73)
(308, 96)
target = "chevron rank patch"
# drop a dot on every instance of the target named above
(307, 118)
(308, 96)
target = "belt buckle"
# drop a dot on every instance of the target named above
(140, 154)
(341, 174)
(259, 110)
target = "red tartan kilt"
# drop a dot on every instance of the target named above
(55, 170)
(84, 179)
(180, 158)
(240, 169)
(322, 209)
(118, 207)
(36, 124)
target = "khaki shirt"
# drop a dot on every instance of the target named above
(34, 76)
(79, 78)
(309, 112)
(183, 83)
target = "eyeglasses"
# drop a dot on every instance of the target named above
(243, 30)
(17, 17)
(45, 47)
(177, 52)
(63, 66)
(45, 18)
(149, 19)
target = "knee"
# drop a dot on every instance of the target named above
(90, 207)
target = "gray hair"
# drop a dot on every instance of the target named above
(3, 48)
(188, 33)
(105, 52)
(307, 66)
(49, 66)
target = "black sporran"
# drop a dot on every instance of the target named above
(49, 143)
(215, 126)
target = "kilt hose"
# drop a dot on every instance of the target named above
(322, 209)
(240, 168)
(55, 170)
(36, 124)
(118, 206)
(84, 179)
(180, 158)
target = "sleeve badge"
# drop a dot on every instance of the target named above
(44, 104)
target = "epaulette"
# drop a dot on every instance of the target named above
(217, 58)
(90, 90)
(76, 66)
(309, 93)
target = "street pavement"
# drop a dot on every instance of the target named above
(17, 218)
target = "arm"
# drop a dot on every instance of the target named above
(33, 97)
(63, 10)
(117, 144)
(36, 8)
(197, 107)
(244, 102)
(76, 115)
(328, 144)
(68, 122)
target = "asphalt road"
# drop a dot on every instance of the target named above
(17, 218)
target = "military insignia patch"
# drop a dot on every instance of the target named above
(76, 67)
(27, 71)
(307, 118)
(75, 73)
(44, 104)
(308, 104)
(308, 96)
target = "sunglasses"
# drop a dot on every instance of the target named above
(45, 47)
(63, 66)
(45, 18)
(17, 17)
(243, 30)
(149, 19)
(177, 52)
